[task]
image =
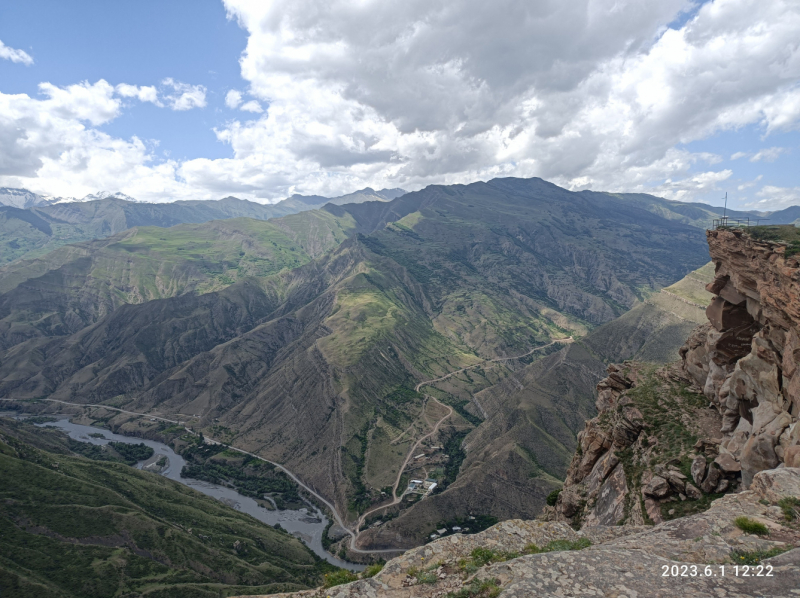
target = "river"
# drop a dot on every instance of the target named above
(306, 524)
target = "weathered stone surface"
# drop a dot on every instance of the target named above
(693, 492)
(699, 469)
(791, 457)
(758, 454)
(776, 484)
(727, 463)
(711, 480)
(724, 316)
(610, 506)
(657, 487)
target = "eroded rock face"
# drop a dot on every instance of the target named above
(746, 359)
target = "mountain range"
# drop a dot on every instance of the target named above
(304, 338)
(30, 228)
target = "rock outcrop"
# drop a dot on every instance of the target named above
(746, 360)
(652, 444)
(619, 561)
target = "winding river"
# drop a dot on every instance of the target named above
(306, 524)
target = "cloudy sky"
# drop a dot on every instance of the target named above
(261, 99)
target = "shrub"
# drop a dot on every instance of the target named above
(553, 497)
(790, 507)
(372, 570)
(750, 526)
(339, 577)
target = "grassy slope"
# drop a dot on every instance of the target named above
(74, 527)
(76, 285)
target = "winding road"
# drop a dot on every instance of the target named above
(395, 499)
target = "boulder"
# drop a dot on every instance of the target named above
(676, 481)
(774, 484)
(657, 487)
(653, 508)
(758, 454)
(791, 456)
(699, 469)
(727, 463)
(693, 492)
(723, 485)
(712, 479)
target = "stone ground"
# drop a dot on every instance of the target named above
(622, 562)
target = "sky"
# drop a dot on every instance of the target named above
(261, 99)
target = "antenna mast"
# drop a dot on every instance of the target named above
(725, 209)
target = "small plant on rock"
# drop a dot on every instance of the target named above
(790, 507)
(750, 526)
(489, 588)
(372, 570)
(339, 577)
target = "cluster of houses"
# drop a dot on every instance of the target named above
(456, 529)
(424, 487)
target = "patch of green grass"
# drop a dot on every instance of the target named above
(558, 545)
(489, 588)
(96, 528)
(790, 507)
(688, 506)
(742, 557)
(338, 578)
(372, 570)
(782, 233)
(426, 576)
(750, 526)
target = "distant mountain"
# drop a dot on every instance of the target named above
(316, 366)
(41, 228)
(20, 198)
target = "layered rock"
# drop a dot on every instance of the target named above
(746, 359)
(631, 465)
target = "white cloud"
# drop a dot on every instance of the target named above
(252, 106)
(233, 98)
(776, 198)
(143, 93)
(750, 184)
(588, 93)
(13, 55)
(769, 154)
(185, 96)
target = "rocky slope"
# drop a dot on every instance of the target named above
(548, 559)
(658, 448)
(746, 360)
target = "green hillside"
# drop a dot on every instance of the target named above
(71, 527)
(74, 286)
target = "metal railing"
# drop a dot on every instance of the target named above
(727, 222)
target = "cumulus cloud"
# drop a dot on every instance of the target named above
(252, 106)
(601, 94)
(776, 198)
(184, 96)
(20, 56)
(143, 93)
(233, 98)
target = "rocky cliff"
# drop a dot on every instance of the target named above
(667, 442)
(746, 359)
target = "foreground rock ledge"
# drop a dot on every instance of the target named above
(623, 561)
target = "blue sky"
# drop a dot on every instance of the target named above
(682, 99)
(139, 43)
